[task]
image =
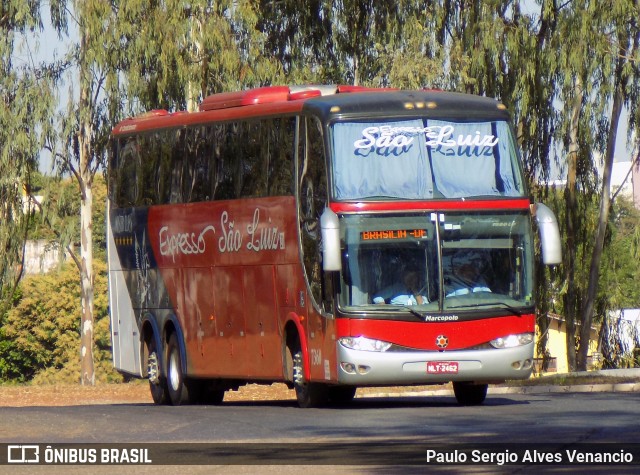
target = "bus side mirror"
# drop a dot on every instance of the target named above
(549, 235)
(330, 229)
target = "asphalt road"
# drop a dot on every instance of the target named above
(371, 432)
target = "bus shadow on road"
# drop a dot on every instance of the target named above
(404, 402)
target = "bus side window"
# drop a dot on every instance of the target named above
(127, 183)
(280, 164)
(220, 181)
(196, 166)
(230, 163)
(112, 177)
(177, 166)
(165, 164)
(148, 169)
(253, 179)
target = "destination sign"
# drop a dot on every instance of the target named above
(388, 234)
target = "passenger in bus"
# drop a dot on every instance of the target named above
(407, 292)
(466, 276)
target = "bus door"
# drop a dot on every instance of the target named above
(312, 199)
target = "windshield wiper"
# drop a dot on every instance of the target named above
(489, 304)
(398, 308)
(415, 312)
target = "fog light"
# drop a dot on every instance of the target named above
(516, 364)
(362, 369)
(527, 364)
(348, 368)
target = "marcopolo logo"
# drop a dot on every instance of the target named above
(23, 454)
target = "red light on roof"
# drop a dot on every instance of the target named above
(261, 95)
(348, 88)
(153, 113)
(295, 96)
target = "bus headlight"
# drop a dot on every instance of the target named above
(364, 344)
(512, 341)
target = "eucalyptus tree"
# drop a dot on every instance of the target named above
(26, 103)
(572, 69)
(362, 32)
(174, 53)
(298, 34)
(590, 47)
(344, 41)
(618, 48)
(80, 146)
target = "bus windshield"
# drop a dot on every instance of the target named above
(424, 158)
(437, 262)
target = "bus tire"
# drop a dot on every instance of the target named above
(308, 394)
(340, 395)
(176, 385)
(469, 394)
(157, 382)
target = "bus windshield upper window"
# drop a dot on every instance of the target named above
(424, 159)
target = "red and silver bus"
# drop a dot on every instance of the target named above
(329, 237)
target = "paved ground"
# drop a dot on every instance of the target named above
(624, 380)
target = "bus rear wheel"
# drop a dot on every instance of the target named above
(469, 394)
(157, 383)
(176, 386)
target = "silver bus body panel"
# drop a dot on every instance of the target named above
(410, 367)
(125, 336)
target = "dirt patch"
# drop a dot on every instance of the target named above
(129, 393)
(138, 392)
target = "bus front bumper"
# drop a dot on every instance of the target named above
(371, 368)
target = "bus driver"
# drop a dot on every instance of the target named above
(467, 276)
(407, 292)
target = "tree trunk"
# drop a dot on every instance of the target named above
(85, 182)
(86, 291)
(571, 218)
(594, 270)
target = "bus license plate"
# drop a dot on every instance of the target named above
(442, 367)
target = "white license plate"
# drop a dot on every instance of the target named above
(442, 367)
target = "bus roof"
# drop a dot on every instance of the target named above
(427, 103)
(328, 102)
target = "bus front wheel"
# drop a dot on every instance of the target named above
(308, 394)
(469, 394)
(177, 388)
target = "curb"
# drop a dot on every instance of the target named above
(577, 388)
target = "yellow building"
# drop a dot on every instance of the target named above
(557, 347)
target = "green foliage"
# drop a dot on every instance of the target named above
(26, 102)
(621, 273)
(40, 335)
